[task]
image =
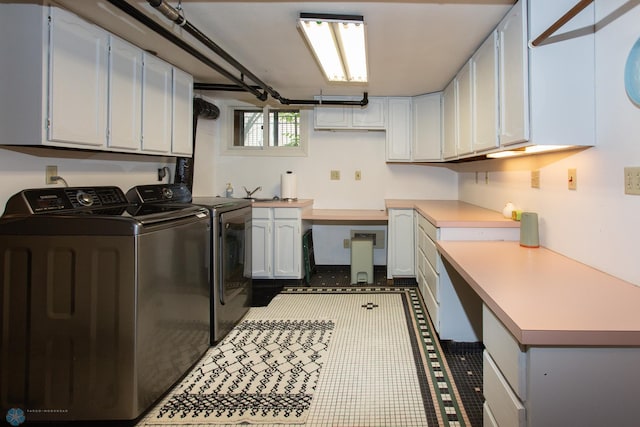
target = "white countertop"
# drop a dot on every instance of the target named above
(545, 298)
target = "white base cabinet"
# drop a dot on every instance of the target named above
(68, 83)
(454, 308)
(401, 246)
(277, 243)
(539, 386)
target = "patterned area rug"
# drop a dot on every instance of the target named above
(262, 372)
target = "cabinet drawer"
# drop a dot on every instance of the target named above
(421, 261)
(433, 308)
(503, 404)
(422, 238)
(488, 420)
(433, 281)
(261, 213)
(506, 352)
(430, 229)
(287, 213)
(431, 252)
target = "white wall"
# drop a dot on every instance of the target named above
(597, 224)
(26, 169)
(343, 151)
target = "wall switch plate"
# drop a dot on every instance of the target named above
(358, 175)
(346, 243)
(572, 179)
(535, 179)
(335, 175)
(632, 180)
(49, 173)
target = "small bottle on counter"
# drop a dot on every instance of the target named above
(229, 190)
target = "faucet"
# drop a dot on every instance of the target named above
(250, 193)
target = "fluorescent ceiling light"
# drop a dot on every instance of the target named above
(338, 44)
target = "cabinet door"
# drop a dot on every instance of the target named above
(287, 243)
(427, 127)
(77, 81)
(465, 108)
(399, 129)
(125, 95)
(450, 120)
(332, 117)
(401, 255)
(485, 95)
(514, 76)
(182, 139)
(261, 244)
(156, 105)
(373, 116)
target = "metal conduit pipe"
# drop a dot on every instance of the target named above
(233, 88)
(173, 14)
(151, 24)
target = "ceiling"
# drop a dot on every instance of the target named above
(414, 47)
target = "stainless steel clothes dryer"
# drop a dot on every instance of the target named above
(229, 249)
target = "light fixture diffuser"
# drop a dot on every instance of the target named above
(338, 44)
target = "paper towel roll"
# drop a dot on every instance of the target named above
(288, 186)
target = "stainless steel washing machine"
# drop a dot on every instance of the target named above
(105, 304)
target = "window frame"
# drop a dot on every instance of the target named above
(230, 149)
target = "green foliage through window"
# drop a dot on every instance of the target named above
(249, 128)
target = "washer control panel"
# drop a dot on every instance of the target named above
(177, 193)
(45, 200)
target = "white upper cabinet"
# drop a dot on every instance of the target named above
(450, 120)
(85, 87)
(513, 74)
(484, 66)
(427, 127)
(371, 117)
(157, 80)
(399, 129)
(125, 95)
(465, 110)
(182, 132)
(562, 76)
(78, 56)
(332, 117)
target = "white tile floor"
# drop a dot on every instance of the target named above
(369, 377)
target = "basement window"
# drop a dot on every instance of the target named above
(267, 131)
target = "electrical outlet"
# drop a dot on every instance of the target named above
(335, 175)
(632, 180)
(50, 173)
(572, 179)
(535, 179)
(346, 243)
(358, 175)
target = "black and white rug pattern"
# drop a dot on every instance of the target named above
(264, 371)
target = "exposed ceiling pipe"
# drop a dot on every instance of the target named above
(150, 23)
(233, 88)
(174, 15)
